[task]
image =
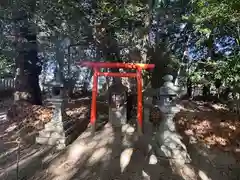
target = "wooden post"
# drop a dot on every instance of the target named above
(94, 100)
(139, 101)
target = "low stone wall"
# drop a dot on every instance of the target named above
(7, 84)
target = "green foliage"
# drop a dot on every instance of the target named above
(229, 71)
(226, 69)
(215, 12)
(210, 20)
(6, 67)
(125, 25)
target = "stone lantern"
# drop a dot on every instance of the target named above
(55, 131)
(167, 93)
(164, 101)
(166, 96)
(168, 141)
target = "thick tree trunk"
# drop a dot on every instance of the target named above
(27, 75)
(28, 66)
(161, 59)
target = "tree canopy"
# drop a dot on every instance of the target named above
(196, 39)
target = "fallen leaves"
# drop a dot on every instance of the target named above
(209, 124)
(214, 140)
(25, 114)
(23, 123)
(25, 119)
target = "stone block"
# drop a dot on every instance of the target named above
(52, 126)
(118, 116)
(57, 132)
(129, 135)
(45, 141)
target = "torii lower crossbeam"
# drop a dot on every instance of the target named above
(138, 75)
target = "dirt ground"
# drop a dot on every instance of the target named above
(209, 132)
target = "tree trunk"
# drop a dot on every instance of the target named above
(161, 59)
(189, 88)
(28, 66)
(206, 91)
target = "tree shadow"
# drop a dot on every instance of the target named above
(211, 134)
(102, 161)
(143, 164)
(27, 165)
(16, 130)
(104, 157)
(213, 164)
(210, 123)
(24, 121)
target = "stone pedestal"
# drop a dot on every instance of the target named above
(168, 141)
(117, 95)
(59, 130)
(118, 116)
(147, 104)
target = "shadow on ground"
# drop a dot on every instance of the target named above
(106, 156)
(211, 135)
(111, 155)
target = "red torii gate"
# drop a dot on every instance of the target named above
(138, 74)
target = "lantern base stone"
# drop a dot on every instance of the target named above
(59, 131)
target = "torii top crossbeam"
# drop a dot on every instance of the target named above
(116, 65)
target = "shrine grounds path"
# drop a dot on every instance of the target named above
(111, 155)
